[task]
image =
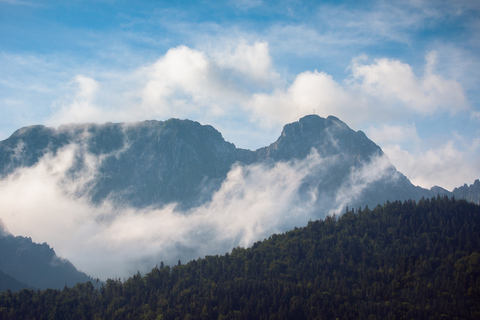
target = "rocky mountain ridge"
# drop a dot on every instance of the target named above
(153, 163)
(26, 264)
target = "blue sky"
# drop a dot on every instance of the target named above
(407, 73)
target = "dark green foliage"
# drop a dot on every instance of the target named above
(400, 261)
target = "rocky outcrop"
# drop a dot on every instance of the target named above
(154, 163)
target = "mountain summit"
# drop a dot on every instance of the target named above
(154, 163)
(141, 193)
(328, 136)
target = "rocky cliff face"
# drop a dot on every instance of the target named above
(141, 164)
(470, 193)
(153, 163)
(351, 155)
(328, 136)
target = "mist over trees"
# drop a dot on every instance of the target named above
(402, 260)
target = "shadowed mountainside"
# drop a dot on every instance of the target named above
(25, 264)
(153, 163)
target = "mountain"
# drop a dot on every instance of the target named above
(154, 163)
(25, 264)
(8, 282)
(470, 193)
(404, 260)
(143, 164)
(352, 154)
(151, 164)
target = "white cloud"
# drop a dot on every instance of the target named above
(42, 202)
(251, 61)
(387, 134)
(310, 92)
(444, 165)
(394, 82)
(82, 105)
(186, 82)
(359, 180)
(87, 87)
(45, 203)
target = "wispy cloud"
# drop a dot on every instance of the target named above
(48, 204)
(21, 3)
(391, 81)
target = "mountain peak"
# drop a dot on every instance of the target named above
(329, 136)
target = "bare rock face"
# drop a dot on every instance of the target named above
(470, 193)
(154, 163)
(328, 136)
(142, 164)
(350, 154)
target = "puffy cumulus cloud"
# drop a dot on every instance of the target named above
(87, 87)
(45, 202)
(251, 61)
(206, 85)
(81, 104)
(310, 92)
(426, 162)
(445, 165)
(234, 87)
(395, 84)
(186, 82)
(236, 83)
(377, 91)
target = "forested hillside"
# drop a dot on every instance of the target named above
(405, 260)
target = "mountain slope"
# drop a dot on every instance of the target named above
(358, 165)
(470, 193)
(141, 164)
(35, 265)
(153, 163)
(8, 282)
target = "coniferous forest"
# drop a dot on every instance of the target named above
(403, 260)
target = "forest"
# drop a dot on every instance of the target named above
(402, 260)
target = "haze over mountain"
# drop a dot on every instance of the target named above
(118, 197)
(154, 163)
(28, 265)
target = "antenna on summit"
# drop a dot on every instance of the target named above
(313, 111)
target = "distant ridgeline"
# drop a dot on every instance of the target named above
(25, 264)
(470, 193)
(398, 261)
(153, 163)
